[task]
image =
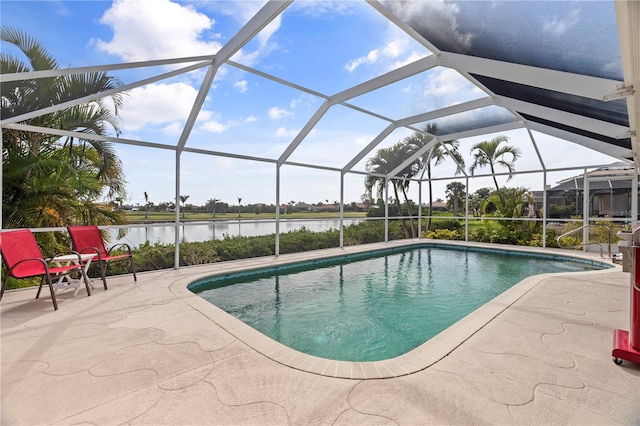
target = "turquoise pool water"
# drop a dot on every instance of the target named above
(375, 306)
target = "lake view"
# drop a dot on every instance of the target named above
(205, 231)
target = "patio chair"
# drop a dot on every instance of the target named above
(24, 259)
(88, 239)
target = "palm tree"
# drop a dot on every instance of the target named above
(433, 157)
(455, 191)
(146, 204)
(383, 163)
(213, 202)
(490, 153)
(508, 202)
(92, 118)
(183, 200)
(33, 162)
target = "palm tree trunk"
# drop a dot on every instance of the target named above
(430, 196)
(404, 225)
(406, 202)
(495, 181)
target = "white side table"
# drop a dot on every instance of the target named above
(65, 281)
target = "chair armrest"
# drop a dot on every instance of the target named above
(95, 250)
(39, 259)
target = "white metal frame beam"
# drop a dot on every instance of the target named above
(446, 111)
(260, 20)
(605, 148)
(406, 71)
(32, 75)
(403, 26)
(559, 81)
(100, 95)
(628, 14)
(569, 119)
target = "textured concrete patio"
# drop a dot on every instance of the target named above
(151, 352)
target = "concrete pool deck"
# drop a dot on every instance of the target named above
(151, 352)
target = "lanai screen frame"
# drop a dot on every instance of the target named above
(599, 135)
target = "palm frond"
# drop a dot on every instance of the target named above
(39, 57)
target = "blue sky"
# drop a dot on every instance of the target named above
(324, 46)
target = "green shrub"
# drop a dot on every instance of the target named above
(451, 224)
(443, 234)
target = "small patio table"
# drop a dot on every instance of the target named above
(65, 281)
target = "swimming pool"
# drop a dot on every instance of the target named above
(373, 306)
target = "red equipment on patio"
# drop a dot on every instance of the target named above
(24, 259)
(626, 344)
(88, 239)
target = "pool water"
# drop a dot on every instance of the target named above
(374, 308)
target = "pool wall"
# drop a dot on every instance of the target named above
(415, 360)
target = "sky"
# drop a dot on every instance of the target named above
(325, 47)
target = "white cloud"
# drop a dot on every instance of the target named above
(204, 115)
(371, 58)
(412, 57)
(60, 8)
(393, 49)
(305, 100)
(443, 19)
(321, 8)
(242, 11)
(276, 113)
(445, 81)
(558, 26)
(245, 10)
(363, 140)
(281, 132)
(174, 128)
(251, 119)
(149, 105)
(154, 29)
(396, 52)
(241, 86)
(295, 102)
(214, 127)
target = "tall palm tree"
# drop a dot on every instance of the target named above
(146, 204)
(213, 206)
(455, 191)
(383, 163)
(490, 153)
(88, 168)
(183, 200)
(433, 157)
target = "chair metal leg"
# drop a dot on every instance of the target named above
(86, 280)
(4, 285)
(133, 270)
(53, 292)
(40, 286)
(103, 272)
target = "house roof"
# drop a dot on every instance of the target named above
(600, 179)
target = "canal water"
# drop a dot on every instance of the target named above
(205, 231)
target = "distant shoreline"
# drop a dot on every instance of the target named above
(169, 217)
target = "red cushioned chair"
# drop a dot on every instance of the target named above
(24, 259)
(88, 239)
